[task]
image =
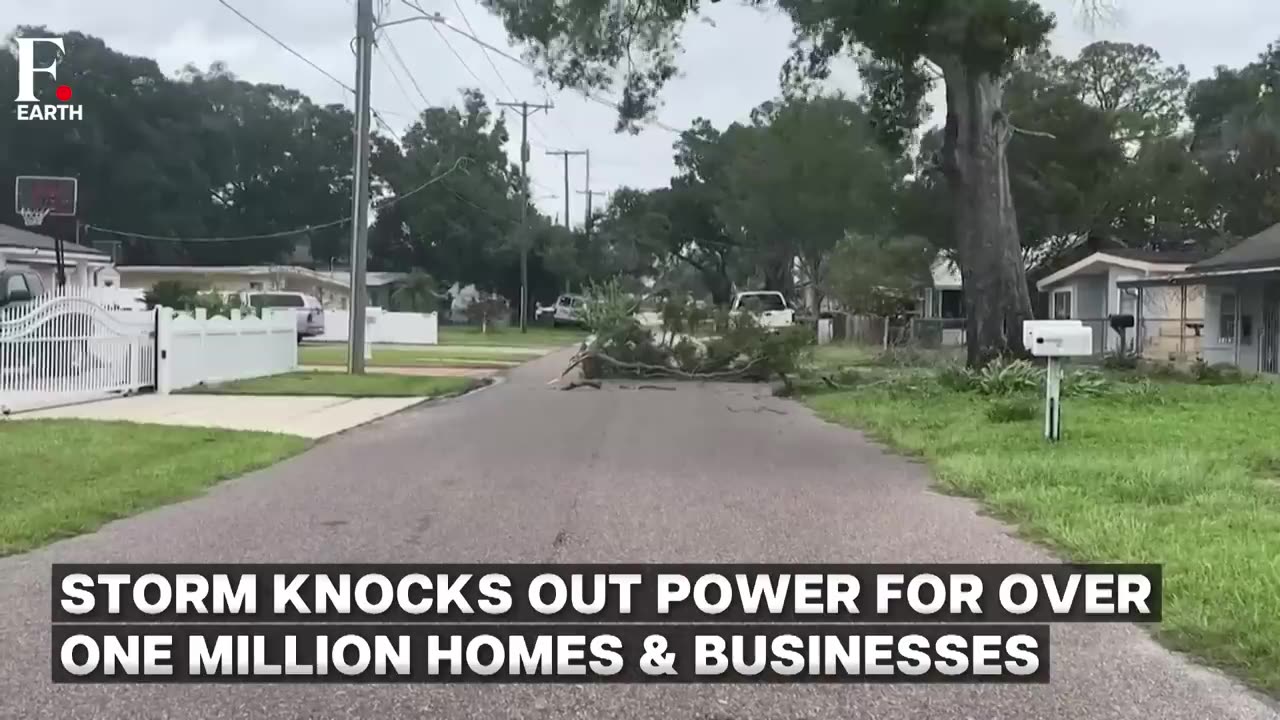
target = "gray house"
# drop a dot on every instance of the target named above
(1242, 302)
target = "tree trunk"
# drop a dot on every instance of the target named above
(986, 227)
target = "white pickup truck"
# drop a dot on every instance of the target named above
(769, 308)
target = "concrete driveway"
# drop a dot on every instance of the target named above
(310, 416)
(526, 473)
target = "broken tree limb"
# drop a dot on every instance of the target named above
(657, 370)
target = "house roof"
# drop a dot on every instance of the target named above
(373, 279)
(13, 237)
(1261, 249)
(1145, 261)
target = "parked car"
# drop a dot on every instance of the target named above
(567, 310)
(19, 283)
(309, 310)
(769, 308)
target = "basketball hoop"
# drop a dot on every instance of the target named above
(34, 216)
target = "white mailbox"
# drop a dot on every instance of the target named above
(1057, 338)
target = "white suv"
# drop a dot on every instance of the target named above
(310, 311)
(567, 309)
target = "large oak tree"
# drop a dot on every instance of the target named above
(905, 45)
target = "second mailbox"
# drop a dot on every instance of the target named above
(1057, 338)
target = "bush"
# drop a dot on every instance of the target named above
(1220, 374)
(957, 378)
(1011, 411)
(1085, 383)
(1120, 360)
(1001, 377)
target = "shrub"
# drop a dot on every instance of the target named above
(1011, 411)
(959, 379)
(1085, 383)
(1220, 374)
(1120, 360)
(1002, 377)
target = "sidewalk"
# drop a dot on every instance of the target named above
(309, 417)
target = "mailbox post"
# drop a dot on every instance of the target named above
(1056, 340)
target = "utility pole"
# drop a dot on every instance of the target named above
(590, 194)
(566, 154)
(360, 188)
(525, 108)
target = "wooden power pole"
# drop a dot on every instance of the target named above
(524, 108)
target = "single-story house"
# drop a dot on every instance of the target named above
(1089, 289)
(332, 289)
(83, 265)
(942, 303)
(1242, 302)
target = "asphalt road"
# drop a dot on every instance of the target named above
(524, 473)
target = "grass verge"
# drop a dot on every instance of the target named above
(431, 356)
(539, 337)
(63, 478)
(342, 385)
(1188, 477)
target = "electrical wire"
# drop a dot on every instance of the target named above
(395, 52)
(284, 233)
(376, 114)
(484, 51)
(437, 19)
(396, 78)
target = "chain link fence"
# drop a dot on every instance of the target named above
(1162, 339)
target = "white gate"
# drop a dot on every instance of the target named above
(65, 347)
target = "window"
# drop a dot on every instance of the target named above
(276, 300)
(1246, 329)
(763, 303)
(1062, 304)
(17, 284)
(255, 286)
(951, 304)
(1227, 310)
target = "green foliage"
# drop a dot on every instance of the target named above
(1120, 360)
(1011, 411)
(1008, 378)
(1002, 377)
(743, 351)
(171, 294)
(1220, 374)
(420, 293)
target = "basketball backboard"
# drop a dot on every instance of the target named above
(37, 192)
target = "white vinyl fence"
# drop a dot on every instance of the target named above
(65, 347)
(401, 328)
(68, 347)
(207, 350)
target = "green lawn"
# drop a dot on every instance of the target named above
(61, 478)
(425, 356)
(1183, 475)
(540, 337)
(342, 385)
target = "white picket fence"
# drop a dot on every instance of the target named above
(401, 328)
(208, 350)
(68, 347)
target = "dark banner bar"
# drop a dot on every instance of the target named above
(550, 654)
(601, 593)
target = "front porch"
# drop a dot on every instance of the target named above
(1241, 315)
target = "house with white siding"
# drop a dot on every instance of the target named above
(1241, 301)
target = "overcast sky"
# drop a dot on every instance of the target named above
(730, 64)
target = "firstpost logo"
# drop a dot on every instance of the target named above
(29, 106)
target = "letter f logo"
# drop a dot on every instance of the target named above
(27, 69)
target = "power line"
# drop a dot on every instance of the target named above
(377, 115)
(396, 53)
(284, 233)
(396, 78)
(485, 52)
(438, 19)
(285, 45)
